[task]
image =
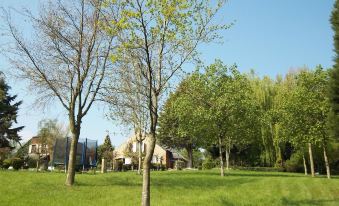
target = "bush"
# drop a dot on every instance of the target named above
(179, 165)
(294, 164)
(208, 164)
(17, 163)
(158, 166)
(126, 167)
(6, 163)
(31, 163)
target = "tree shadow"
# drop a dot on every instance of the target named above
(195, 182)
(286, 201)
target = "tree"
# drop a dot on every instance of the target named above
(229, 108)
(106, 150)
(126, 99)
(49, 130)
(180, 123)
(158, 38)
(307, 112)
(67, 60)
(334, 74)
(8, 116)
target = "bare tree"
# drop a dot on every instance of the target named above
(126, 98)
(67, 59)
(160, 37)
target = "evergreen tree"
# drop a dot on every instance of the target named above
(334, 75)
(8, 116)
(105, 150)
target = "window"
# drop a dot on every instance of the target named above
(33, 149)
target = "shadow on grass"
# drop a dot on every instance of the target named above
(286, 201)
(240, 173)
(202, 182)
(167, 179)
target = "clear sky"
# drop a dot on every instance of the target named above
(269, 36)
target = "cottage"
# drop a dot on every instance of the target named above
(37, 148)
(162, 155)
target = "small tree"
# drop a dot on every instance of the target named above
(48, 131)
(106, 150)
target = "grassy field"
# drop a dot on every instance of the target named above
(169, 188)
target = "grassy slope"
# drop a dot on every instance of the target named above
(169, 188)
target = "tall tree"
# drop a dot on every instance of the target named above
(307, 112)
(67, 60)
(334, 74)
(180, 123)
(8, 116)
(226, 96)
(159, 37)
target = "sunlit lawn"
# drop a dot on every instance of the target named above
(169, 188)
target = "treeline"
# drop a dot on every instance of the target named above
(247, 120)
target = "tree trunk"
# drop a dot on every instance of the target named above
(146, 196)
(38, 161)
(139, 157)
(311, 158)
(305, 166)
(189, 150)
(327, 164)
(72, 157)
(37, 164)
(221, 159)
(228, 149)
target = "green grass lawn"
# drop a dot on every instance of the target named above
(169, 188)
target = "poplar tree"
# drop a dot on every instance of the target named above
(334, 74)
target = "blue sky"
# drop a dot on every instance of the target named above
(269, 36)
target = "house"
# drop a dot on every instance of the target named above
(162, 155)
(36, 147)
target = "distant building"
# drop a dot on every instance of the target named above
(162, 155)
(37, 148)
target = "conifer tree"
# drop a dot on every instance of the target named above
(334, 75)
(8, 116)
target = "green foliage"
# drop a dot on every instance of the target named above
(6, 163)
(179, 165)
(8, 116)
(208, 164)
(106, 149)
(23, 150)
(17, 163)
(334, 74)
(295, 163)
(307, 108)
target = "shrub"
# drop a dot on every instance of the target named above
(158, 166)
(17, 163)
(179, 165)
(126, 167)
(208, 164)
(294, 164)
(6, 163)
(31, 163)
